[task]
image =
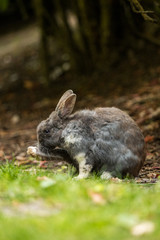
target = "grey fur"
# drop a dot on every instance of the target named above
(101, 140)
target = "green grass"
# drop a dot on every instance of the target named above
(34, 207)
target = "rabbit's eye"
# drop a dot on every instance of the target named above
(46, 131)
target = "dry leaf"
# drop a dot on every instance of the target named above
(97, 197)
(116, 180)
(42, 178)
(48, 182)
(151, 126)
(21, 158)
(19, 163)
(148, 138)
(15, 119)
(150, 156)
(28, 84)
(155, 114)
(152, 175)
(143, 228)
(42, 164)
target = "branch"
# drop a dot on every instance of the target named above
(145, 37)
(137, 8)
(39, 11)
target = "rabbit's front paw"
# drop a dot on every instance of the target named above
(80, 176)
(84, 170)
(32, 151)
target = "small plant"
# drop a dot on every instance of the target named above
(9, 170)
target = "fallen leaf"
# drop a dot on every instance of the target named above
(97, 197)
(155, 114)
(46, 183)
(15, 119)
(20, 158)
(116, 180)
(150, 156)
(28, 84)
(143, 228)
(42, 164)
(148, 138)
(153, 175)
(19, 163)
(151, 126)
(42, 178)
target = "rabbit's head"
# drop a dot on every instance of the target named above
(49, 130)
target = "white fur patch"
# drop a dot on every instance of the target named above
(106, 175)
(84, 169)
(71, 139)
(80, 157)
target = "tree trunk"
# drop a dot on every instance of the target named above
(103, 29)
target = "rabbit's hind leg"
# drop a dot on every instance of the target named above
(106, 175)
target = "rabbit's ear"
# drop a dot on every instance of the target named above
(64, 96)
(66, 107)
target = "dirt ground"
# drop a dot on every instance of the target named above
(24, 102)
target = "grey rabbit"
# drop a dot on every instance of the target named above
(104, 140)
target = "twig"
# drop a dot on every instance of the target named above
(137, 33)
(137, 8)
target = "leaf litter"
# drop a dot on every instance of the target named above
(142, 106)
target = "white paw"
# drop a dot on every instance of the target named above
(80, 176)
(106, 175)
(32, 151)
